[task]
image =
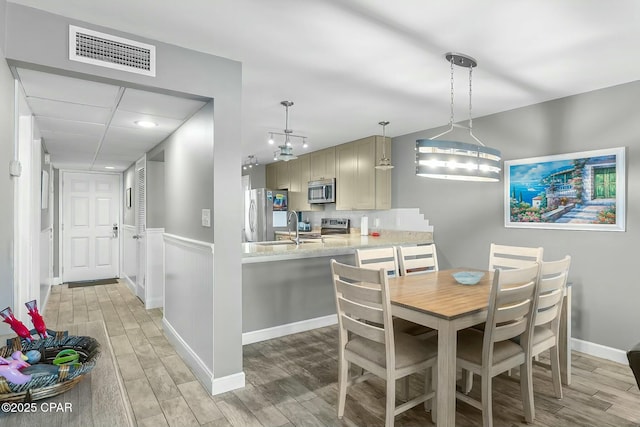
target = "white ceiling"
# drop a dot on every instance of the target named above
(90, 125)
(348, 64)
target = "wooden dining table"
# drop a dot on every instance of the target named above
(436, 300)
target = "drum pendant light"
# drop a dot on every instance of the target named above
(447, 159)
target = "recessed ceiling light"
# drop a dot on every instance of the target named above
(145, 124)
(109, 167)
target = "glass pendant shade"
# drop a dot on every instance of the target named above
(455, 160)
(285, 153)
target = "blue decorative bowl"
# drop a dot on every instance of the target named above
(468, 277)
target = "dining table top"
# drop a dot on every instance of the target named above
(439, 294)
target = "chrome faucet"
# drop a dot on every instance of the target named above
(295, 215)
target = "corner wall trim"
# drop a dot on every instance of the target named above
(599, 350)
(288, 329)
(202, 373)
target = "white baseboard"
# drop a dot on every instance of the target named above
(228, 383)
(288, 329)
(153, 303)
(130, 284)
(56, 281)
(599, 350)
(200, 370)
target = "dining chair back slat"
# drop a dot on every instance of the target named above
(377, 258)
(358, 292)
(417, 259)
(365, 330)
(512, 257)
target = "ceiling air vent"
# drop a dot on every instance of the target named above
(110, 51)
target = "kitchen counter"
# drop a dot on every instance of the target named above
(332, 245)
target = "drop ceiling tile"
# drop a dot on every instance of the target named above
(157, 104)
(69, 126)
(61, 88)
(127, 119)
(55, 145)
(68, 111)
(130, 156)
(133, 136)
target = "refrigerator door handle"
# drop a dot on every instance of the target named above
(252, 216)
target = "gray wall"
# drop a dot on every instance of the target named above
(188, 157)
(129, 181)
(6, 182)
(468, 216)
(155, 194)
(37, 40)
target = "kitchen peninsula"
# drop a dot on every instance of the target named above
(288, 288)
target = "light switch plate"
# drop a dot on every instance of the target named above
(206, 217)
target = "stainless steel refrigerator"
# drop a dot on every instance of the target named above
(265, 211)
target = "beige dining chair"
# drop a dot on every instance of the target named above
(368, 340)
(417, 259)
(378, 258)
(546, 332)
(488, 353)
(507, 257)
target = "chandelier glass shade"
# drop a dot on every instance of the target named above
(285, 151)
(454, 160)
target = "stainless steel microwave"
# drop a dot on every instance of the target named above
(323, 191)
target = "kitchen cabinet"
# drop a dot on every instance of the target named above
(322, 164)
(282, 176)
(271, 176)
(359, 184)
(299, 177)
(277, 176)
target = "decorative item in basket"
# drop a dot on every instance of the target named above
(74, 355)
(19, 328)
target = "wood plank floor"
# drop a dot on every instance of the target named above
(291, 381)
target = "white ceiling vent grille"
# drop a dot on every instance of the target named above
(110, 51)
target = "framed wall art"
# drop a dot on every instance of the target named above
(577, 191)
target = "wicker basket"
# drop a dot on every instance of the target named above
(67, 376)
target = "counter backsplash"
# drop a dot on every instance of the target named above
(406, 219)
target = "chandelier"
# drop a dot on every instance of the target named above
(446, 159)
(250, 162)
(285, 151)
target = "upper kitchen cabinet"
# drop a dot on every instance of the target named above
(359, 184)
(322, 164)
(270, 171)
(278, 176)
(299, 177)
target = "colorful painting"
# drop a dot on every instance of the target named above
(578, 191)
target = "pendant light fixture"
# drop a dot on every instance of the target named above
(384, 163)
(446, 159)
(250, 162)
(285, 151)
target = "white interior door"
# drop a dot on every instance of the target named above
(90, 226)
(141, 227)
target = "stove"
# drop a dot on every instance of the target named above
(334, 226)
